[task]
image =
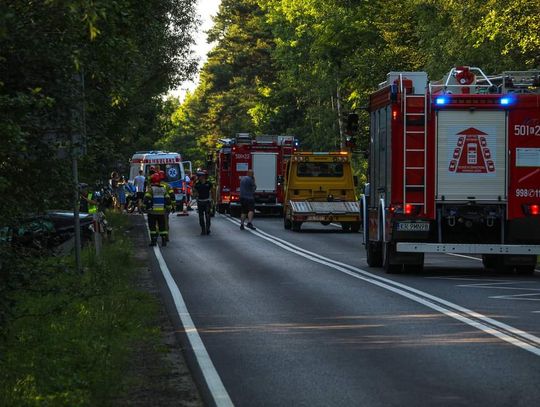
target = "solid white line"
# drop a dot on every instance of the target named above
(211, 376)
(413, 294)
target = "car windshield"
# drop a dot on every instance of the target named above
(309, 169)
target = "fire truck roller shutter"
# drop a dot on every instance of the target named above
(264, 170)
(471, 155)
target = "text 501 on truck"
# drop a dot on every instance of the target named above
(169, 163)
(454, 168)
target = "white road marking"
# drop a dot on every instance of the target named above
(519, 297)
(462, 255)
(471, 257)
(488, 325)
(211, 376)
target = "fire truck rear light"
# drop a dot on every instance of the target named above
(531, 210)
(408, 209)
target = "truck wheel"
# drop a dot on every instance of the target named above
(346, 227)
(221, 209)
(373, 254)
(295, 226)
(415, 267)
(355, 227)
(525, 270)
(287, 223)
(388, 253)
(489, 261)
(325, 223)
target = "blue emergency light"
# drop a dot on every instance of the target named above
(505, 101)
(441, 100)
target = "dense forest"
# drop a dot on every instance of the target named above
(298, 67)
(90, 79)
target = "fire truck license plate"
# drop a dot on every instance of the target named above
(413, 227)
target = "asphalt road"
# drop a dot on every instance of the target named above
(299, 319)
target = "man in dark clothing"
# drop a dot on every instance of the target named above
(247, 200)
(202, 192)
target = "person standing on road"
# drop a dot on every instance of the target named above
(139, 182)
(247, 200)
(157, 203)
(201, 191)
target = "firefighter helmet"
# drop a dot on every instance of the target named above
(155, 178)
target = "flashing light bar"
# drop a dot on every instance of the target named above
(441, 100)
(505, 101)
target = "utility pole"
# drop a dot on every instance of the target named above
(78, 138)
(340, 122)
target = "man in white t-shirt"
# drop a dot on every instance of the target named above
(139, 182)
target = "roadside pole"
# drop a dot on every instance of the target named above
(78, 139)
(97, 234)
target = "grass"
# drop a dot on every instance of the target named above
(70, 336)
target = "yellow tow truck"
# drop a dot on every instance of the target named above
(320, 188)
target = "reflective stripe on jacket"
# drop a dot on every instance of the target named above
(157, 200)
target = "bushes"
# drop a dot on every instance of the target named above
(68, 336)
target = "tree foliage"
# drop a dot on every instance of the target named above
(92, 72)
(281, 66)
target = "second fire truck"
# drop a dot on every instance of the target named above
(454, 168)
(266, 155)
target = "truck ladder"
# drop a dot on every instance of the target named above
(414, 149)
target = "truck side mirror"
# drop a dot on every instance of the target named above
(280, 179)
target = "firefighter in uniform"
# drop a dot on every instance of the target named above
(170, 192)
(157, 203)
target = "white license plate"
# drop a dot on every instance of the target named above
(318, 218)
(413, 227)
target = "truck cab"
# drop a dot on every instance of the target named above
(320, 187)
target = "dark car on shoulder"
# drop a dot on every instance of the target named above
(46, 232)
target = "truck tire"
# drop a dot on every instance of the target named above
(525, 270)
(295, 226)
(221, 208)
(373, 254)
(489, 261)
(355, 227)
(388, 252)
(345, 226)
(287, 223)
(325, 223)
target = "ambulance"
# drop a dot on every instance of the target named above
(169, 163)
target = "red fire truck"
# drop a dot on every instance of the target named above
(266, 155)
(454, 167)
